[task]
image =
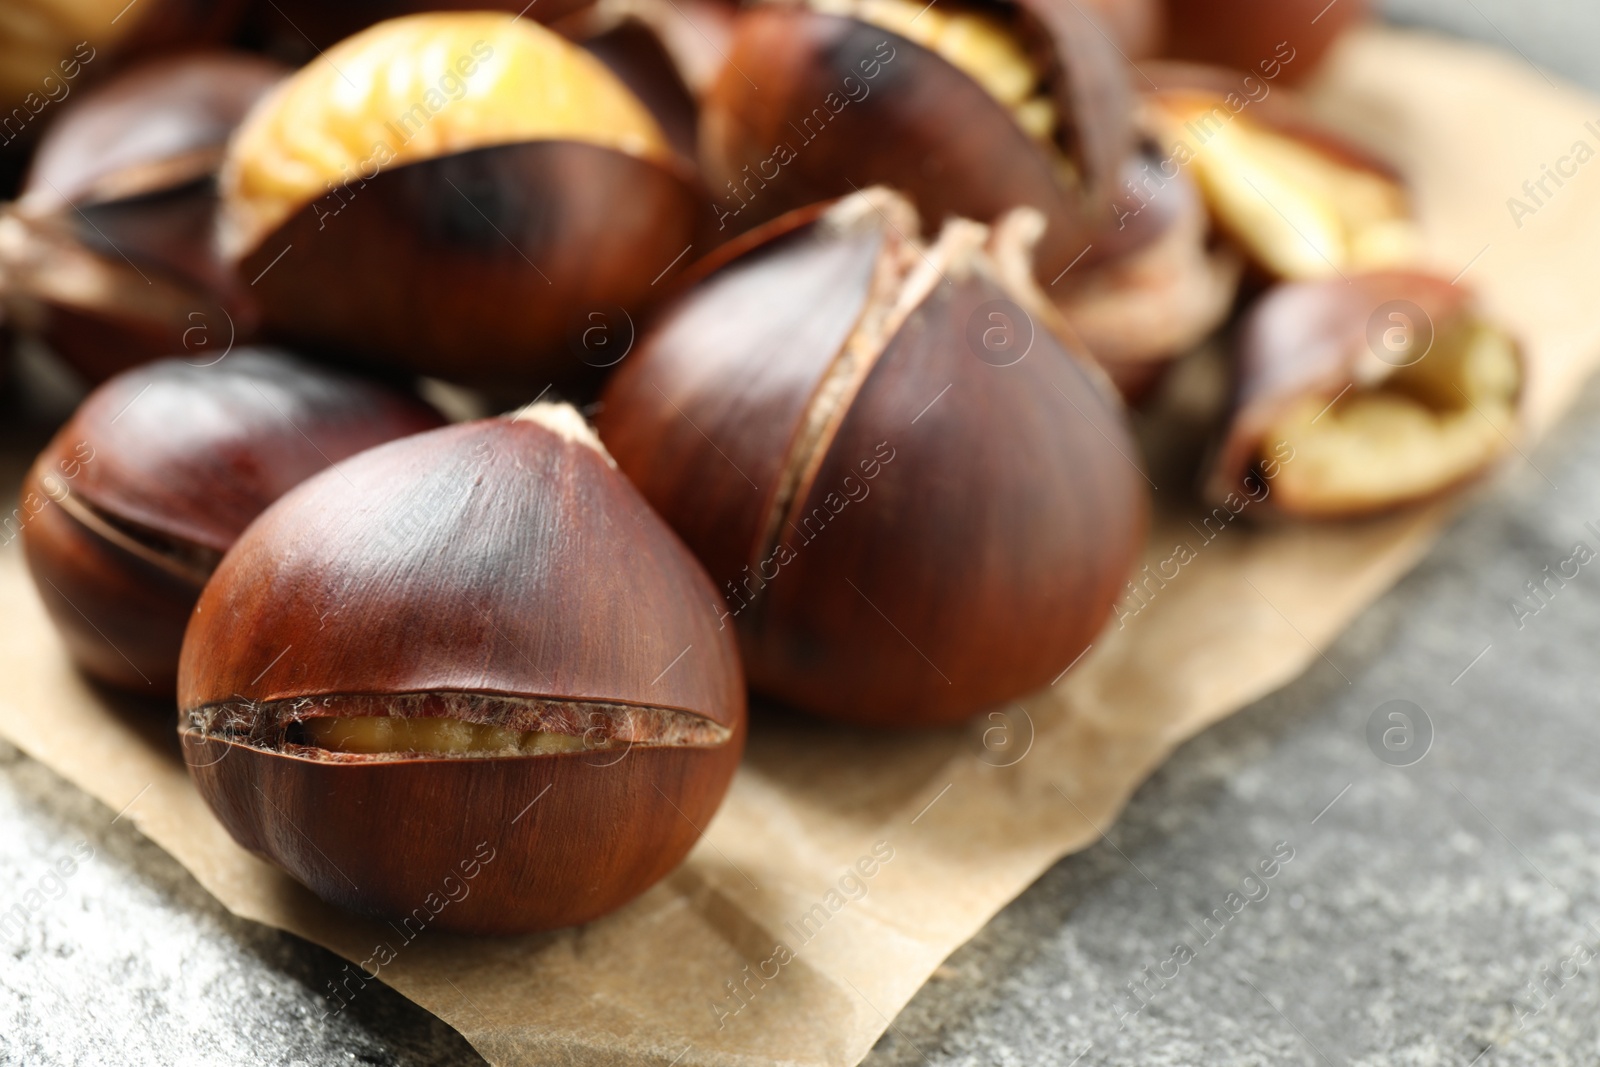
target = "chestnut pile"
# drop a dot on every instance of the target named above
(818, 322)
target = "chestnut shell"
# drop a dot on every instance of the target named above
(505, 561)
(159, 470)
(986, 550)
(924, 126)
(481, 266)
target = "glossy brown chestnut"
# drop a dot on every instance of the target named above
(490, 190)
(299, 30)
(1242, 34)
(109, 254)
(127, 510)
(917, 500)
(1301, 202)
(969, 110)
(472, 650)
(1361, 396)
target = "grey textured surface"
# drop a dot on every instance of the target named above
(1416, 916)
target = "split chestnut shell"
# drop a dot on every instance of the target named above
(916, 498)
(131, 505)
(476, 649)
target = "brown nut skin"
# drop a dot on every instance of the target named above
(129, 507)
(924, 127)
(503, 570)
(990, 532)
(296, 30)
(1243, 33)
(1313, 342)
(483, 265)
(109, 254)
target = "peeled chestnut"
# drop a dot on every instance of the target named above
(1358, 397)
(472, 658)
(128, 509)
(109, 254)
(1242, 34)
(970, 109)
(1300, 201)
(916, 499)
(463, 207)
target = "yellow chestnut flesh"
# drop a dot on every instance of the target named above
(1301, 212)
(417, 88)
(978, 44)
(378, 734)
(1423, 428)
(36, 36)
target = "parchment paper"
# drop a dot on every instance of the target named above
(965, 832)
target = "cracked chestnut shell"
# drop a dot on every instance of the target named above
(109, 253)
(1361, 396)
(916, 499)
(485, 189)
(1243, 34)
(475, 641)
(970, 110)
(128, 509)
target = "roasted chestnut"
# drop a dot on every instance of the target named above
(969, 109)
(300, 30)
(473, 659)
(1302, 202)
(109, 254)
(667, 52)
(916, 498)
(1161, 285)
(1137, 27)
(1361, 396)
(130, 506)
(463, 207)
(46, 46)
(1243, 34)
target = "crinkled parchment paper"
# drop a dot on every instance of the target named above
(966, 819)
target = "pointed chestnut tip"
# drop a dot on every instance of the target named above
(872, 208)
(566, 422)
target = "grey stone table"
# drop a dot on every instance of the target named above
(1444, 913)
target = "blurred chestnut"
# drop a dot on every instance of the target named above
(109, 254)
(483, 192)
(916, 499)
(1357, 397)
(478, 644)
(127, 510)
(1138, 27)
(1243, 34)
(1300, 201)
(1161, 285)
(47, 47)
(667, 52)
(969, 109)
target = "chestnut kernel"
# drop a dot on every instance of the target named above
(487, 185)
(916, 499)
(1301, 202)
(476, 638)
(1362, 396)
(109, 254)
(128, 509)
(969, 109)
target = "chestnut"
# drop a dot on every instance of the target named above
(969, 109)
(1300, 201)
(1361, 396)
(916, 498)
(130, 506)
(463, 208)
(1163, 284)
(48, 46)
(1244, 34)
(109, 254)
(474, 650)
(1137, 27)
(300, 30)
